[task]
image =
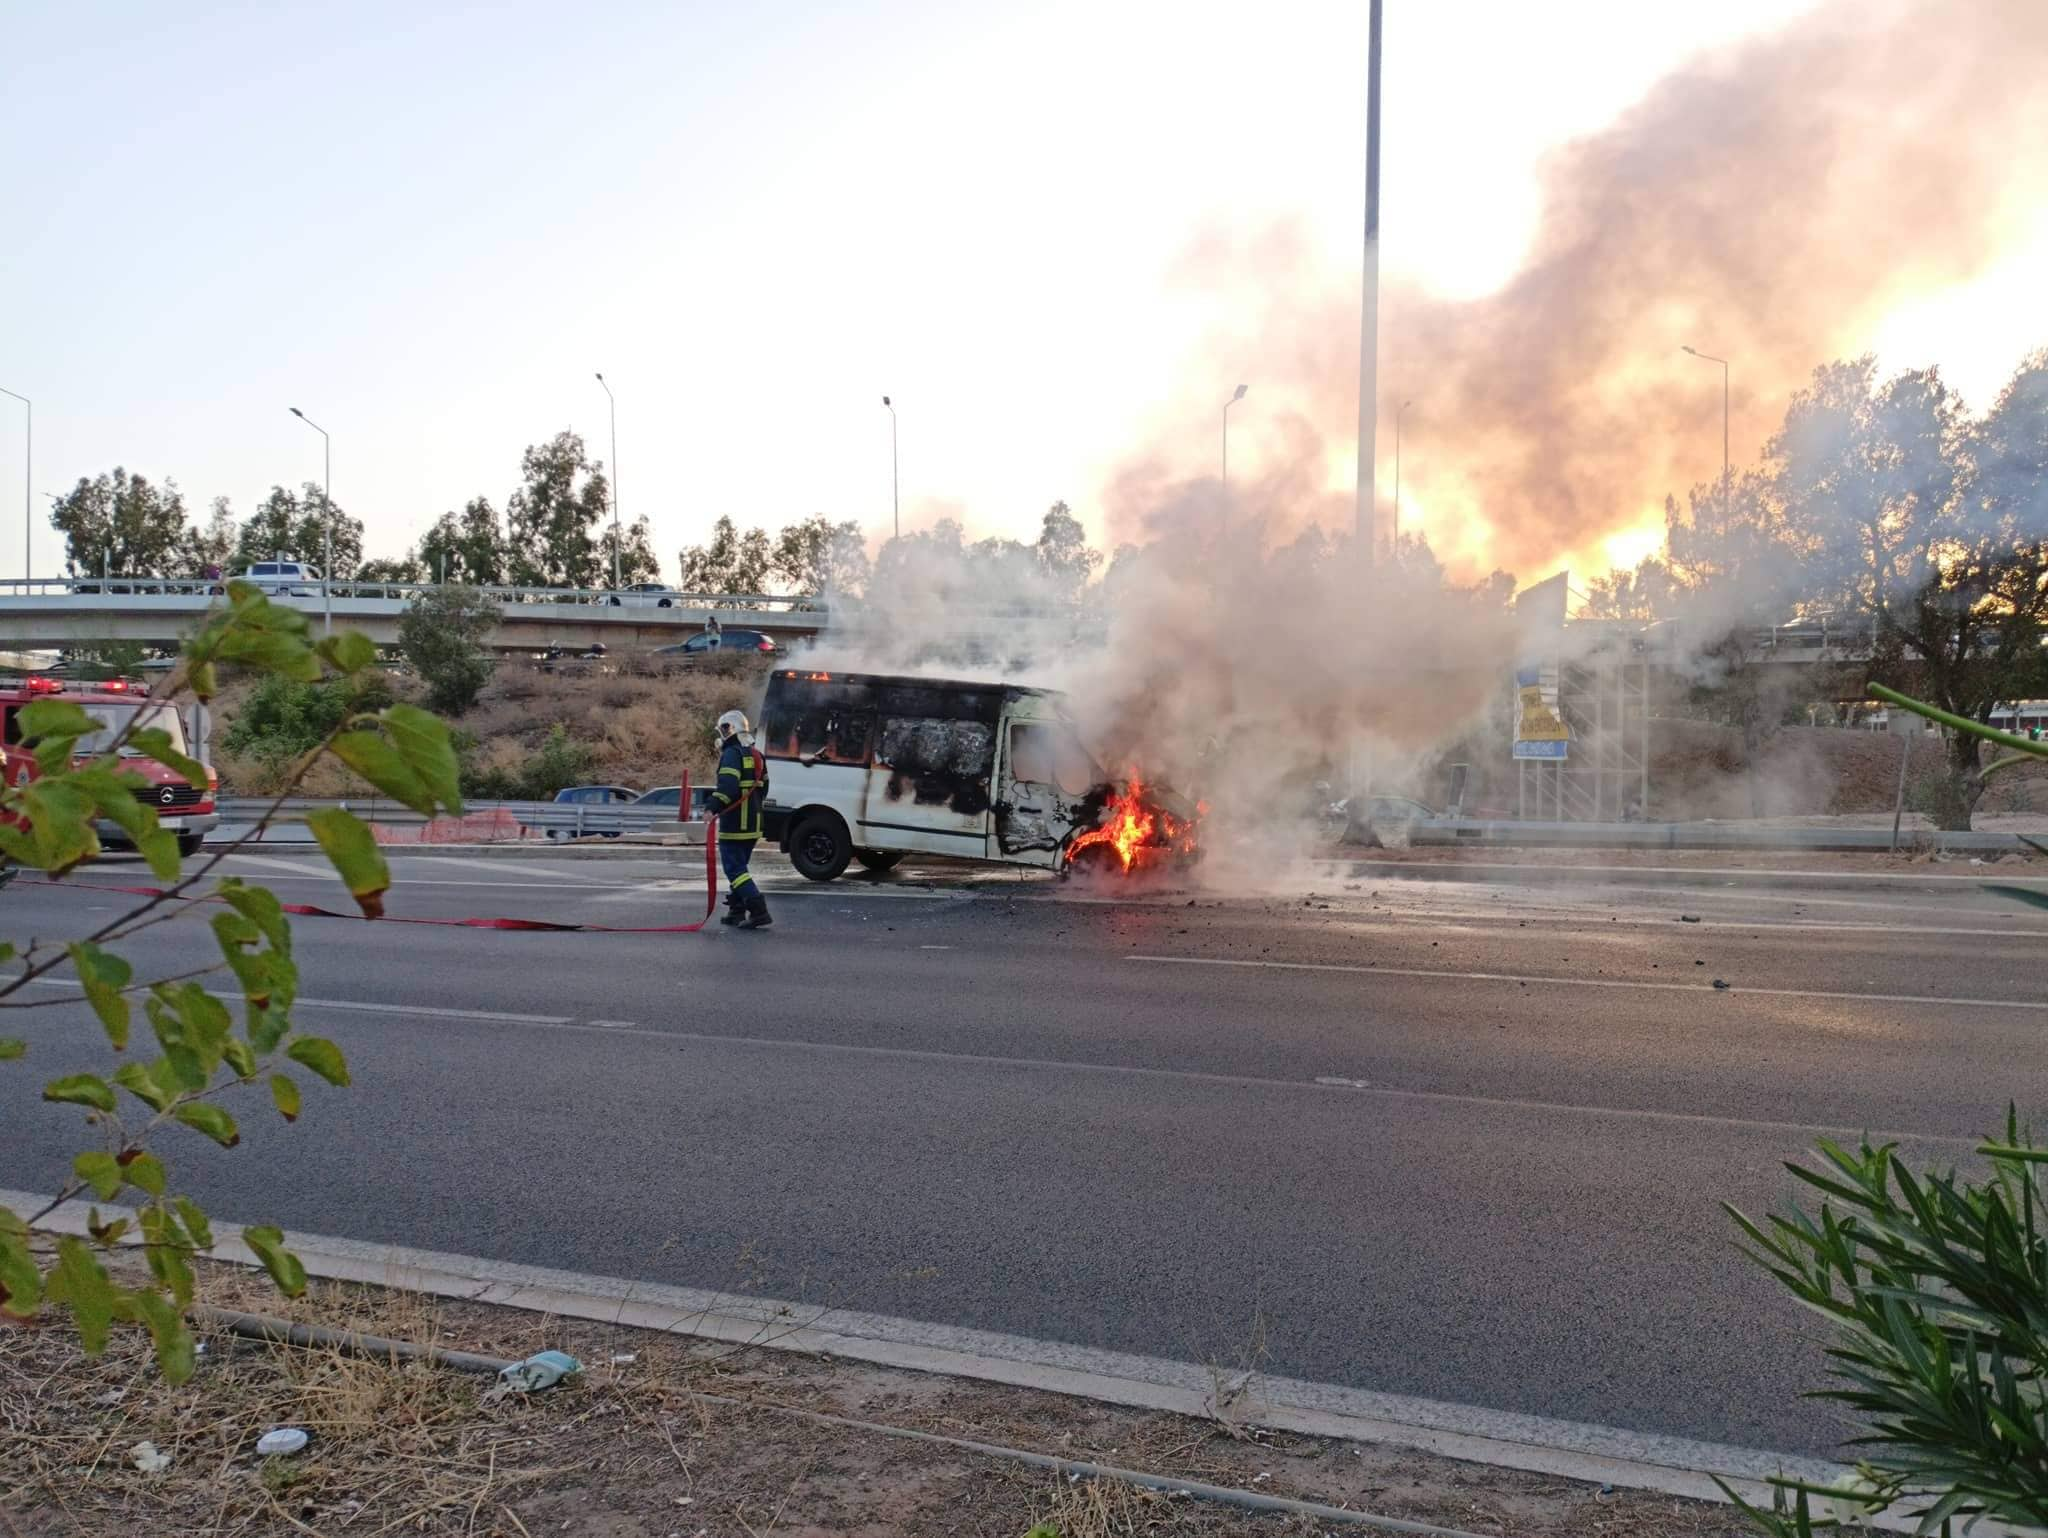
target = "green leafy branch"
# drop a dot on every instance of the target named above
(46, 824)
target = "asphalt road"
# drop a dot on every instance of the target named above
(1463, 1142)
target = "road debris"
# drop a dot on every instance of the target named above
(1719, 984)
(544, 1369)
(146, 1458)
(1688, 918)
(281, 1443)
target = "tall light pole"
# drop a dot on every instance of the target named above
(1397, 475)
(28, 504)
(1369, 316)
(326, 518)
(613, 483)
(895, 485)
(1226, 432)
(1726, 485)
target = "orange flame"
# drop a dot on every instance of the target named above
(1130, 825)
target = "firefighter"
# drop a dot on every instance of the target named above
(742, 787)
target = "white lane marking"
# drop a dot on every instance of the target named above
(359, 1007)
(535, 873)
(297, 868)
(1334, 1082)
(1593, 982)
(613, 1025)
(1626, 925)
(1201, 1076)
(935, 947)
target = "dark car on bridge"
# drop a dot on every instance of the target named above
(715, 643)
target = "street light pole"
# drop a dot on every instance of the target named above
(1397, 474)
(1226, 433)
(28, 505)
(895, 484)
(1369, 308)
(1726, 484)
(326, 519)
(613, 484)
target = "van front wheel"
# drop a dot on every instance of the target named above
(819, 847)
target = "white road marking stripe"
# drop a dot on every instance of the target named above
(1593, 982)
(297, 868)
(533, 872)
(360, 1007)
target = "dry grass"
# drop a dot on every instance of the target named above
(662, 1438)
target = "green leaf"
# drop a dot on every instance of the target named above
(281, 1263)
(320, 1055)
(81, 1089)
(104, 975)
(81, 1281)
(204, 1116)
(155, 744)
(159, 849)
(239, 1057)
(164, 1245)
(105, 1234)
(259, 905)
(286, 1096)
(193, 1026)
(412, 760)
(195, 1223)
(100, 1171)
(59, 832)
(143, 1085)
(347, 651)
(54, 718)
(142, 1170)
(12, 1047)
(21, 1279)
(354, 854)
(177, 1355)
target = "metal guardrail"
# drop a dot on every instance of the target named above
(207, 587)
(547, 819)
(1694, 835)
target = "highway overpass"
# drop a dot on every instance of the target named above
(152, 612)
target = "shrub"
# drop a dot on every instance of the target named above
(282, 718)
(561, 762)
(442, 636)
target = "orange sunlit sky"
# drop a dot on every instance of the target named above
(429, 225)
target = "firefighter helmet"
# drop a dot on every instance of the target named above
(734, 724)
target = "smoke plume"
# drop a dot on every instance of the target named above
(1769, 204)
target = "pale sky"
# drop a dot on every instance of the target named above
(428, 225)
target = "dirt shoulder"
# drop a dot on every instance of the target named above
(666, 1437)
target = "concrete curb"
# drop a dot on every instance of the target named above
(1511, 873)
(1533, 1444)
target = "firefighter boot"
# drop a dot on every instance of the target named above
(735, 908)
(757, 908)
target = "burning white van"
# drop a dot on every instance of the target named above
(871, 768)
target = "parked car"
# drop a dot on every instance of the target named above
(592, 796)
(644, 595)
(710, 643)
(283, 579)
(672, 796)
(1369, 817)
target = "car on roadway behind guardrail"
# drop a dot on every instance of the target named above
(718, 643)
(643, 595)
(591, 796)
(282, 579)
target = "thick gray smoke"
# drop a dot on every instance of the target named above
(1769, 204)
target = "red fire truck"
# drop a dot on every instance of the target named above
(181, 807)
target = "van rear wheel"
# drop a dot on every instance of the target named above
(879, 859)
(819, 847)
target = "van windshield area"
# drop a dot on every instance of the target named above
(114, 720)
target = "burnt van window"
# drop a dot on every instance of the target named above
(922, 746)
